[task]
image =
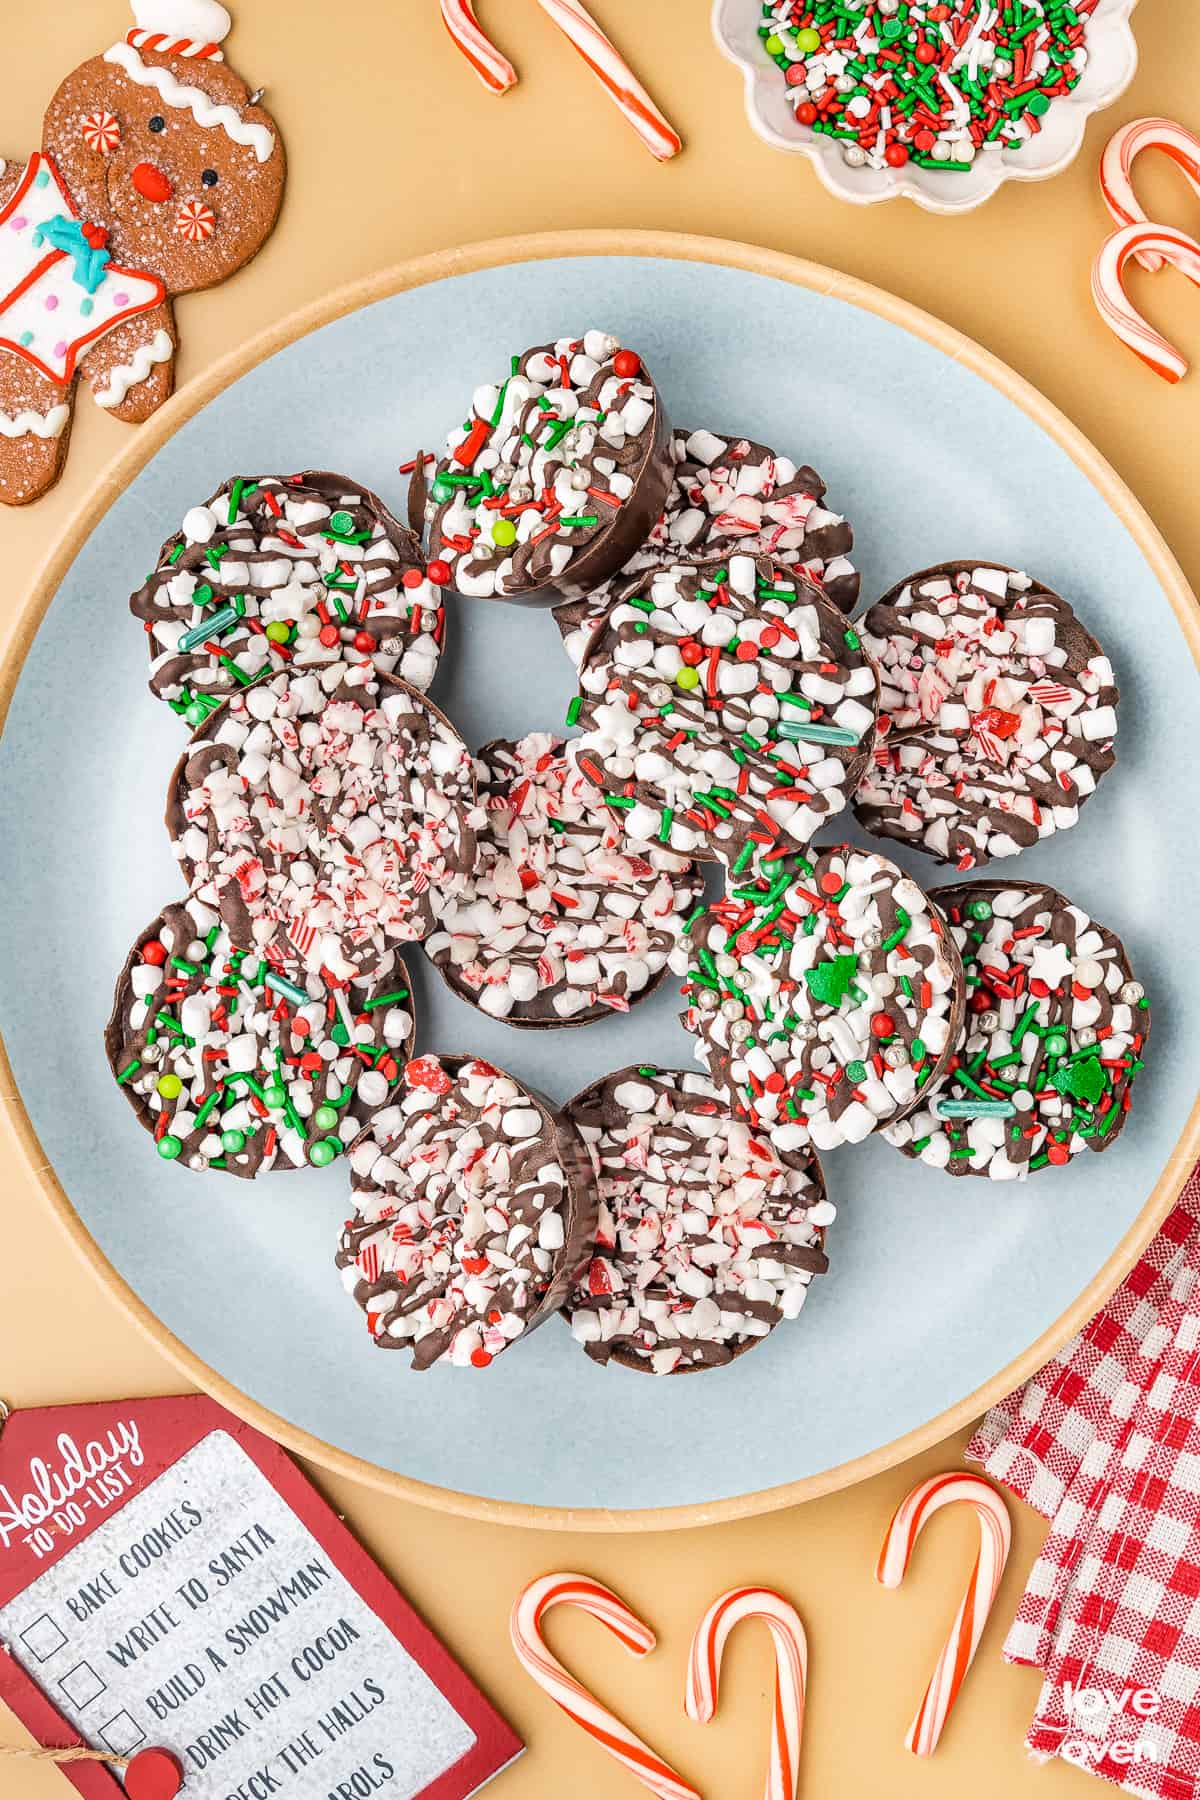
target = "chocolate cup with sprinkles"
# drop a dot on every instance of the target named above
(558, 476)
(731, 494)
(237, 1065)
(305, 848)
(707, 1240)
(998, 713)
(825, 995)
(565, 919)
(1056, 1033)
(273, 572)
(726, 709)
(475, 1212)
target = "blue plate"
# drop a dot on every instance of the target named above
(935, 1286)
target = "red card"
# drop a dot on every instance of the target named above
(168, 1577)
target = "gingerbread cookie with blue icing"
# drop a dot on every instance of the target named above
(159, 174)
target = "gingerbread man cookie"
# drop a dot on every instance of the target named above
(159, 175)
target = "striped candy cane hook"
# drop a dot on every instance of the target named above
(615, 76)
(492, 67)
(958, 1652)
(1116, 166)
(604, 1727)
(791, 1675)
(1119, 312)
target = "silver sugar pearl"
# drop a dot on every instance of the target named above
(580, 479)
(1085, 1036)
(503, 472)
(803, 1031)
(732, 1009)
(871, 938)
(887, 9)
(987, 1022)
(854, 156)
(896, 1056)
(740, 1031)
(705, 1000)
(659, 694)
(726, 965)
(1131, 992)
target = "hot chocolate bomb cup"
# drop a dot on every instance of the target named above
(565, 919)
(998, 713)
(271, 573)
(305, 846)
(235, 1064)
(726, 709)
(706, 1240)
(504, 1221)
(559, 476)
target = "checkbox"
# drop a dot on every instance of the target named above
(123, 1734)
(82, 1685)
(43, 1638)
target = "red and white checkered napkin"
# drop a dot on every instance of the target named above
(1105, 1443)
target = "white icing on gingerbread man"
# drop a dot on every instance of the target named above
(158, 176)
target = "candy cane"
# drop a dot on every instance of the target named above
(525, 1629)
(791, 1675)
(1119, 312)
(1176, 141)
(613, 72)
(493, 69)
(995, 1535)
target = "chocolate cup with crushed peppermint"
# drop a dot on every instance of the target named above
(611, 545)
(124, 1045)
(192, 769)
(595, 1105)
(731, 836)
(824, 542)
(565, 1147)
(883, 620)
(538, 1014)
(324, 485)
(960, 896)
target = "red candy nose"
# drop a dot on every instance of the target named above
(151, 183)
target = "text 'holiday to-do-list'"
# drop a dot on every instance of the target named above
(198, 1610)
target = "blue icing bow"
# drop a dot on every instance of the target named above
(67, 235)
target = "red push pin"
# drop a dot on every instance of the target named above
(153, 1775)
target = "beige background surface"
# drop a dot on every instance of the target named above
(395, 150)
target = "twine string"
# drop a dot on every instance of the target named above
(72, 1753)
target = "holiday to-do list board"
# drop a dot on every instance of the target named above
(169, 1578)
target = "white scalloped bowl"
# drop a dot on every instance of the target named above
(1112, 62)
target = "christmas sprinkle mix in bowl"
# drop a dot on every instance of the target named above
(941, 100)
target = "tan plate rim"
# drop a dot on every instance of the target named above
(439, 266)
